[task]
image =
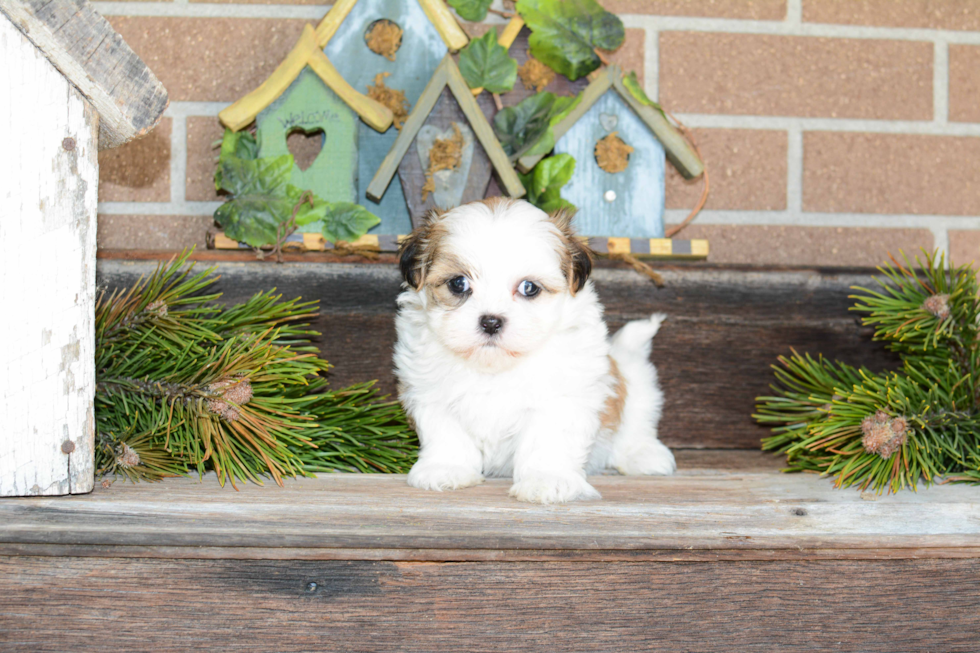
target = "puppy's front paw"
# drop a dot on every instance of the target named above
(433, 476)
(550, 488)
(649, 458)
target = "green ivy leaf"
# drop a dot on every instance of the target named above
(347, 221)
(471, 10)
(520, 127)
(307, 214)
(565, 33)
(260, 198)
(527, 129)
(545, 182)
(485, 63)
(632, 85)
(553, 172)
(241, 145)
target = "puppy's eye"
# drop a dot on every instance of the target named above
(528, 288)
(459, 285)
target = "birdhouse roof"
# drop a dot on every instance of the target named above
(678, 151)
(81, 44)
(307, 52)
(436, 10)
(447, 74)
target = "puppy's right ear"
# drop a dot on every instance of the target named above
(415, 252)
(410, 259)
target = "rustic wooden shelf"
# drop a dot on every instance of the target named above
(746, 511)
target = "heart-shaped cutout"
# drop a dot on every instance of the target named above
(608, 121)
(305, 145)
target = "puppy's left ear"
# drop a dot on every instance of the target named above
(577, 258)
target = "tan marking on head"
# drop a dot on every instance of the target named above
(497, 204)
(612, 412)
(575, 255)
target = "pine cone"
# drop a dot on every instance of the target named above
(882, 434)
(238, 391)
(127, 457)
(938, 305)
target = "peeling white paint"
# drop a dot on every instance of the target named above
(48, 194)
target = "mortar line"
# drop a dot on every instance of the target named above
(794, 12)
(651, 63)
(923, 127)
(722, 121)
(815, 219)
(940, 83)
(794, 169)
(785, 27)
(158, 208)
(940, 239)
(178, 159)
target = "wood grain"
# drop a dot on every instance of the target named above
(80, 43)
(695, 509)
(50, 136)
(51, 604)
(724, 330)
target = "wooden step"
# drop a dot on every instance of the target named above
(728, 555)
(742, 509)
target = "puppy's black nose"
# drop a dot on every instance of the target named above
(491, 324)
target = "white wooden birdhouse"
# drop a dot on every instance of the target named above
(69, 86)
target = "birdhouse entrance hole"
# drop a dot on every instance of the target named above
(384, 37)
(612, 154)
(305, 146)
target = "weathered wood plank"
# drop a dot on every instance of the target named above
(128, 97)
(91, 603)
(724, 330)
(688, 511)
(50, 139)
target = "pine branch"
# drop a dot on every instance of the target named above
(185, 384)
(890, 430)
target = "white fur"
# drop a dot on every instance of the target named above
(527, 402)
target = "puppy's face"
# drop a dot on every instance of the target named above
(493, 278)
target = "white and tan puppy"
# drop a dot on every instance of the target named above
(504, 363)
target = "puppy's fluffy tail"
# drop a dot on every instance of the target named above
(634, 340)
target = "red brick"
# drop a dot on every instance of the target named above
(746, 167)
(891, 173)
(138, 171)
(806, 246)
(209, 59)
(165, 232)
(964, 247)
(202, 132)
(964, 83)
(936, 14)
(795, 76)
(747, 9)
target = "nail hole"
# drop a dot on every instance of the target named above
(799, 512)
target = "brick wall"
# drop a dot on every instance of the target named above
(835, 130)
